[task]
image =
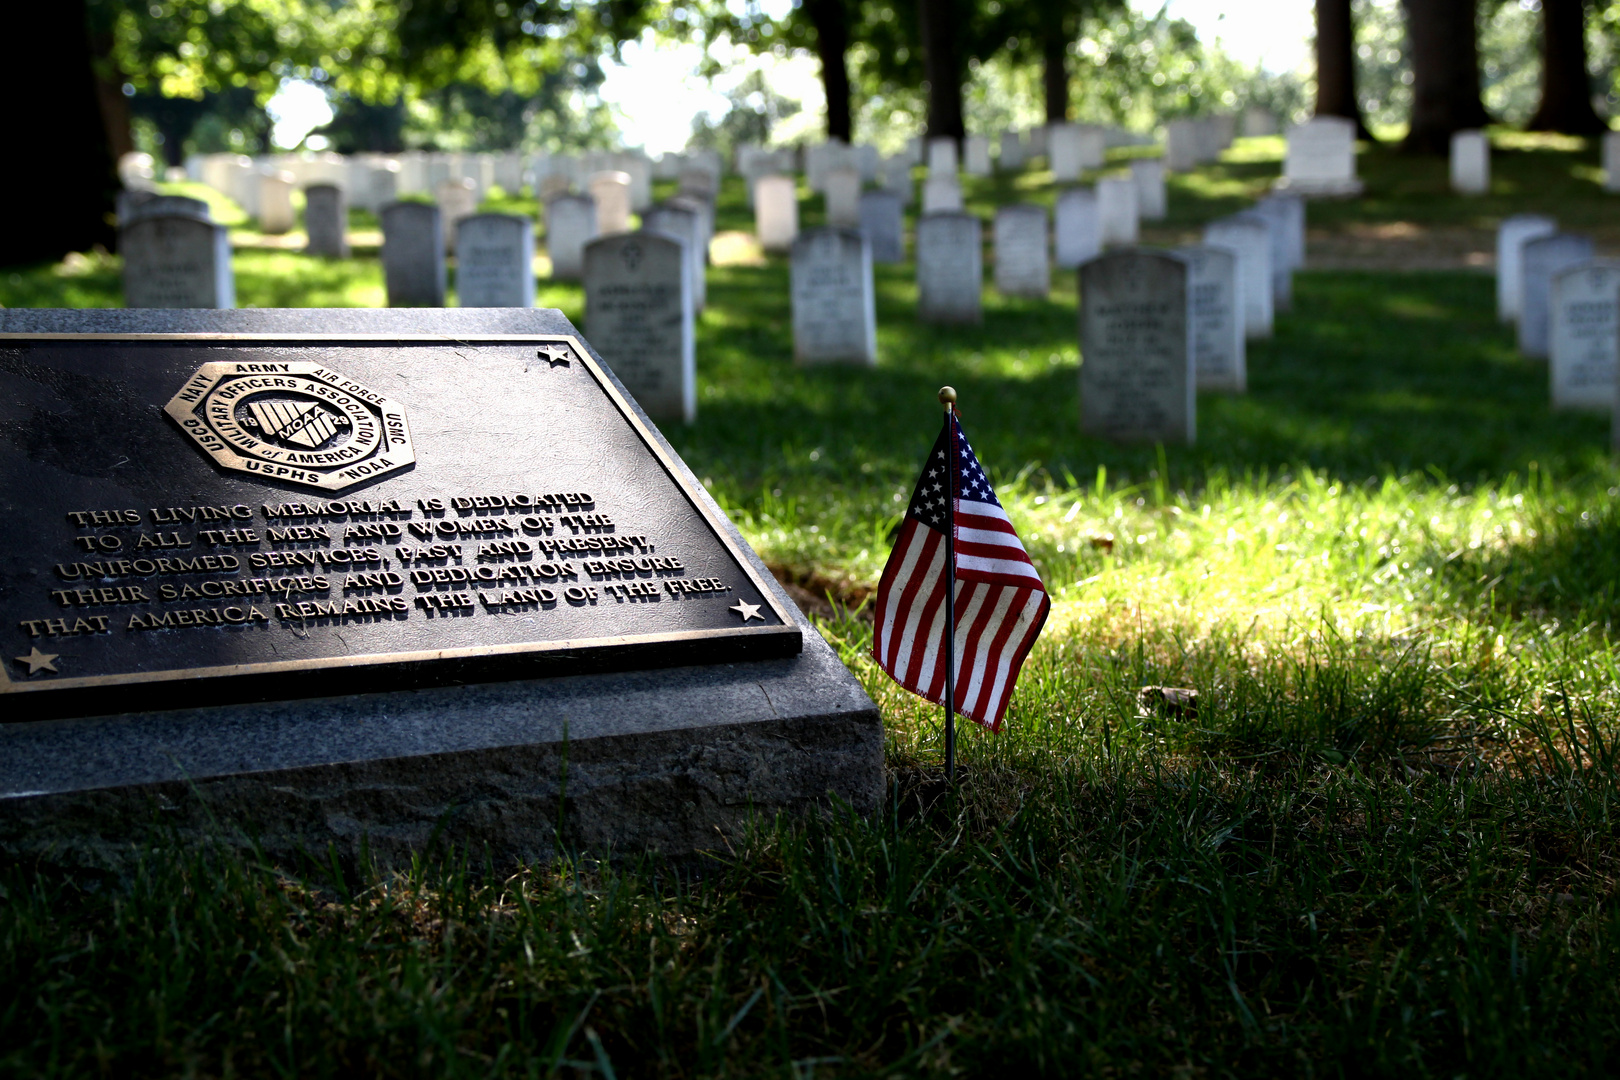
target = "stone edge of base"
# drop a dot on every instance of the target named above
(674, 794)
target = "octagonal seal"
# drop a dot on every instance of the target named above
(294, 422)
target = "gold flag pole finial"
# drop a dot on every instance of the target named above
(947, 397)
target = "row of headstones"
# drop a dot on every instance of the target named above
(639, 305)
(1566, 308)
(1087, 217)
(374, 180)
(183, 260)
(1154, 326)
(175, 256)
(498, 269)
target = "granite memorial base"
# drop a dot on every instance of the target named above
(614, 760)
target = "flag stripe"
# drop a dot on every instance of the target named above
(1005, 625)
(917, 552)
(921, 594)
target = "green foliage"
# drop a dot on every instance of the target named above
(752, 113)
(1138, 69)
(1383, 70)
(562, 114)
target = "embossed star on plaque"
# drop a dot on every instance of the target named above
(556, 354)
(747, 610)
(39, 661)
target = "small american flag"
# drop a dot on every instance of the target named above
(1000, 602)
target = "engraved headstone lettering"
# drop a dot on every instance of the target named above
(1137, 381)
(950, 269)
(638, 313)
(834, 308)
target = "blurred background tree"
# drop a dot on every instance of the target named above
(182, 76)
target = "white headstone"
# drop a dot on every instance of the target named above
(1077, 228)
(381, 184)
(776, 212)
(683, 224)
(941, 194)
(1023, 266)
(610, 189)
(1321, 158)
(326, 220)
(866, 162)
(821, 159)
(1470, 163)
(413, 174)
(413, 254)
(1137, 380)
(843, 187)
(638, 316)
(1151, 202)
(176, 261)
(1065, 152)
(1287, 212)
(895, 175)
(1012, 155)
(1215, 299)
(1611, 161)
(1539, 261)
(834, 308)
(976, 155)
(704, 210)
(882, 226)
(950, 269)
(495, 261)
(698, 181)
(942, 157)
(1278, 214)
(1257, 121)
(570, 225)
(754, 162)
(1584, 358)
(1037, 141)
(1182, 149)
(638, 167)
(457, 199)
(438, 170)
(1093, 147)
(1117, 210)
(275, 201)
(1511, 236)
(509, 172)
(1249, 238)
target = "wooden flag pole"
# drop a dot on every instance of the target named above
(947, 397)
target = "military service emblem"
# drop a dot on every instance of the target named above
(297, 423)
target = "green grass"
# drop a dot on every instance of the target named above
(1384, 844)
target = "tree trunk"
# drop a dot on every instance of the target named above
(1566, 93)
(831, 21)
(942, 67)
(1442, 39)
(59, 120)
(1055, 75)
(1336, 64)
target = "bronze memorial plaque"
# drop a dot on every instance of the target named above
(212, 518)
